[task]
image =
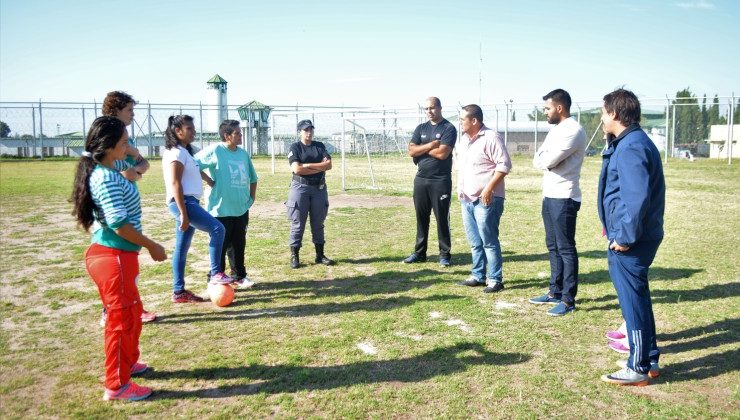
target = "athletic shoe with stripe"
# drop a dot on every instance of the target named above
(139, 368)
(220, 278)
(243, 283)
(626, 377)
(186, 296)
(129, 392)
(654, 368)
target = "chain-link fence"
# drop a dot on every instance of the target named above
(679, 126)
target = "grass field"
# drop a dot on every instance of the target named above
(371, 337)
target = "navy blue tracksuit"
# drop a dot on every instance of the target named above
(631, 203)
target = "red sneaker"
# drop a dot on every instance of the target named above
(186, 296)
(129, 392)
(139, 368)
(148, 316)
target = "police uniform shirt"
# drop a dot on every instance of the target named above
(427, 166)
(313, 153)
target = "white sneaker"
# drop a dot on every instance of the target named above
(245, 283)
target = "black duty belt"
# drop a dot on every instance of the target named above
(306, 181)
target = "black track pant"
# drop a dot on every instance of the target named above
(235, 242)
(432, 195)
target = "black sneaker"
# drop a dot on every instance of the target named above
(493, 288)
(413, 258)
(471, 282)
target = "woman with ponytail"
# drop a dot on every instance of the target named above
(105, 200)
(182, 181)
(121, 105)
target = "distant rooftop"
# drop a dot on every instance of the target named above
(217, 80)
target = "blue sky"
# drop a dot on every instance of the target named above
(372, 53)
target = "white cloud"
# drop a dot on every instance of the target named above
(699, 4)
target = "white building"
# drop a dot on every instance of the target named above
(718, 135)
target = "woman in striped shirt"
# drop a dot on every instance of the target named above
(104, 200)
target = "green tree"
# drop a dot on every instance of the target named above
(4, 130)
(688, 118)
(513, 115)
(713, 113)
(704, 131)
(736, 114)
(537, 114)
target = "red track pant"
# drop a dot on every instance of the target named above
(115, 272)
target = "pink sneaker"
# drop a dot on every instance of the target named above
(619, 347)
(221, 278)
(148, 316)
(130, 392)
(139, 368)
(615, 335)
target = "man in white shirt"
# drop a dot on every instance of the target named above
(560, 158)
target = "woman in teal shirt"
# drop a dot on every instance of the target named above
(233, 188)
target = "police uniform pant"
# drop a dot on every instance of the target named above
(307, 201)
(629, 273)
(115, 273)
(432, 195)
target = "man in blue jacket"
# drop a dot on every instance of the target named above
(631, 203)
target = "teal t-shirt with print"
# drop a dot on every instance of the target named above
(232, 172)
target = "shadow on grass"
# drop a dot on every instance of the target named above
(726, 331)
(383, 282)
(660, 296)
(289, 378)
(369, 305)
(545, 256)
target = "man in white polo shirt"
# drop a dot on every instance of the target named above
(560, 158)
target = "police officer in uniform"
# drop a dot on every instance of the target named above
(309, 162)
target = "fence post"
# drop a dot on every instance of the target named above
(272, 140)
(536, 127)
(83, 124)
(41, 130)
(506, 125)
(344, 165)
(200, 120)
(149, 127)
(95, 107)
(665, 140)
(33, 124)
(673, 130)
(730, 131)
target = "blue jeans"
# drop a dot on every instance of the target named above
(559, 217)
(481, 226)
(201, 220)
